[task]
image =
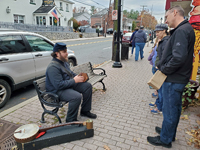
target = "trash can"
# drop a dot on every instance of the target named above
(124, 51)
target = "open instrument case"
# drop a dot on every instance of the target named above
(57, 136)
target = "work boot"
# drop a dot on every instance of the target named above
(89, 114)
(156, 141)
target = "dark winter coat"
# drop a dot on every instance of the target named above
(177, 57)
(56, 77)
(140, 37)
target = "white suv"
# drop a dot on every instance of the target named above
(24, 57)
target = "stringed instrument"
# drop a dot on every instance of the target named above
(29, 132)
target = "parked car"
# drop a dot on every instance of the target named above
(24, 57)
(110, 31)
(126, 38)
(82, 28)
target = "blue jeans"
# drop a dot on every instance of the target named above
(154, 69)
(133, 46)
(159, 100)
(172, 106)
(139, 48)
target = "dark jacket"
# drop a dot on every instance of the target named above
(131, 39)
(160, 49)
(56, 77)
(140, 37)
(177, 57)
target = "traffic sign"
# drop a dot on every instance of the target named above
(114, 15)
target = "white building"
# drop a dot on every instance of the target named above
(82, 16)
(37, 12)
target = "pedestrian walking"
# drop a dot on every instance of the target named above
(132, 41)
(176, 63)
(140, 39)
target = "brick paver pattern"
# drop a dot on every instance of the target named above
(124, 119)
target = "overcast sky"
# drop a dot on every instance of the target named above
(158, 5)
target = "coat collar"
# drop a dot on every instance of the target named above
(182, 23)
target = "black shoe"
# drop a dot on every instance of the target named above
(142, 57)
(156, 141)
(158, 130)
(89, 114)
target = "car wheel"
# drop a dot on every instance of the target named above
(71, 63)
(5, 92)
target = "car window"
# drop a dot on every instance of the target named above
(128, 34)
(38, 43)
(12, 44)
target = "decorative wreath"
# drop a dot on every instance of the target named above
(55, 20)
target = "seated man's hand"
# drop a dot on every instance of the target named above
(78, 79)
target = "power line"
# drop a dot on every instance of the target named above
(86, 4)
(98, 3)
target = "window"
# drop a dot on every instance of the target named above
(61, 8)
(18, 19)
(67, 9)
(12, 44)
(40, 20)
(32, 2)
(50, 21)
(39, 44)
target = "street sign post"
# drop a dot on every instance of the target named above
(114, 15)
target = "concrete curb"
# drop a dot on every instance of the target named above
(8, 111)
(81, 39)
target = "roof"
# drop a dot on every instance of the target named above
(44, 9)
(68, 1)
(167, 6)
(101, 13)
(78, 14)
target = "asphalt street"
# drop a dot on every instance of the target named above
(95, 51)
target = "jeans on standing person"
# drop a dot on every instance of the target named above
(139, 48)
(154, 70)
(172, 106)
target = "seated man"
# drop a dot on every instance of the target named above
(67, 85)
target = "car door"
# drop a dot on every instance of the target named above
(16, 62)
(41, 50)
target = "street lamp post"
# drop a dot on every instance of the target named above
(161, 20)
(117, 63)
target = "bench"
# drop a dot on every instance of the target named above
(93, 77)
(52, 100)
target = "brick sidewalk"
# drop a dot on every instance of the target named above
(124, 119)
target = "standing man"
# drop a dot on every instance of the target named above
(132, 41)
(176, 63)
(67, 85)
(140, 39)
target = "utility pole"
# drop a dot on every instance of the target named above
(117, 63)
(107, 25)
(142, 13)
(122, 14)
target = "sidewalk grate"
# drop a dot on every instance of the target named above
(7, 140)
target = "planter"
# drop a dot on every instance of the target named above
(189, 93)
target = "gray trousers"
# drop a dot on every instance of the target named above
(73, 97)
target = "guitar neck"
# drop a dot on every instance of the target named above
(44, 129)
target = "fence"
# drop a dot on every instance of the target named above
(35, 28)
(90, 30)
